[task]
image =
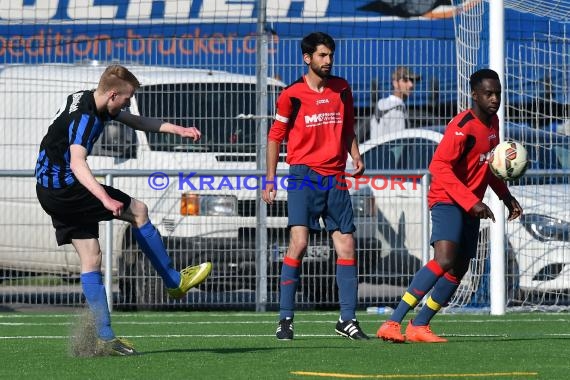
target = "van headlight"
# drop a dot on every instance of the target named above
(546, 228)
(208, 205)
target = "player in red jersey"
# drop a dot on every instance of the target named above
(316, 116)
(460, 176)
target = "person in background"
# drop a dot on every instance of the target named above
(460, 177)
(390, 113)
(316, 116)
(77, 202)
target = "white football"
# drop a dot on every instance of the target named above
(508, 160)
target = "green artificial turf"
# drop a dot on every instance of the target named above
(242, 345)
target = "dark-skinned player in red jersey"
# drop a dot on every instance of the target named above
(316, 116)
(460, 176)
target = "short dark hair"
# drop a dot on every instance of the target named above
(310, 42)
(477, 77)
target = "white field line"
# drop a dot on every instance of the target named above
(161, 336)
(229, 318)
(190, 321)
(161, 323)
(272, 336)
(154, 315)
(198, 318)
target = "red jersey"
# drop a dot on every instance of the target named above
(459, 168)
(318, 126)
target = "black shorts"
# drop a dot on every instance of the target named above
(75, 212)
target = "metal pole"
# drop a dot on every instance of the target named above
(109, 252)
(425, 219)
(261, 109)
(497, 258)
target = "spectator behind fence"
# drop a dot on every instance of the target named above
(390, 113)
(77, 202)
(316, 115)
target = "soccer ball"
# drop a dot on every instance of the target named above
(508, 160)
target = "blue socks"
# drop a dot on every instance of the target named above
(346, 279)
(288, 287)
(347, 282)
(442, 292)
(421, 284)
(150, 243)
(94, 291)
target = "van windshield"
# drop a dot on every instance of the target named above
(211, 107)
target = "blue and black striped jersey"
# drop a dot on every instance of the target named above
(76, 122)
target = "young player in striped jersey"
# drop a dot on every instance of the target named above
(77, 202)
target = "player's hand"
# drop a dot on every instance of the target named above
(269, 193)
(114, 206)
(190, 132)
(482, 211)
(515, 209)
(358, 166)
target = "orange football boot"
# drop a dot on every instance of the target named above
(422, 334)
(390, 331)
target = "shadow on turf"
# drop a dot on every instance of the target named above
(233, 350)
(464, 339)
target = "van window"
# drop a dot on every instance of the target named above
(406, 154)
(211, 107)
(117, 140)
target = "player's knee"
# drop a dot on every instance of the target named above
(445, 263)
(297, 247)
(90, 261)
(139, 210)
(344, 245)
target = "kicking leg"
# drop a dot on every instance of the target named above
(150, 242)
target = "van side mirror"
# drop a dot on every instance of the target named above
(117, 140)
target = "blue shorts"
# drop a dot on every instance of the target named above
(311, 196)
(450, 222)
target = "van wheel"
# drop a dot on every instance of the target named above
(318, 282)
(139, 286)
(476, 290)
(321, 291)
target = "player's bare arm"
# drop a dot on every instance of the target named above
(190, 132)
(269, 192)
(482, 211)
(82, 172)
(358, 164)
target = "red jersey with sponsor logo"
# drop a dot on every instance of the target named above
(459, 168)
(318, 126)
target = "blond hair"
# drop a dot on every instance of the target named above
(117, 76)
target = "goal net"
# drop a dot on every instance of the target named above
(536, 97)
